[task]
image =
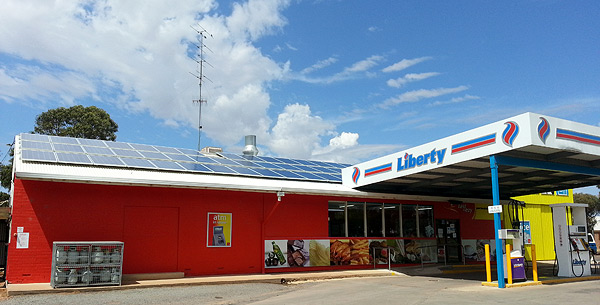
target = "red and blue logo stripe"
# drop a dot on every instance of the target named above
(577, 136)
(378, 169)
(355, 174)
(475, 143)
(543, 130)
(510, 133)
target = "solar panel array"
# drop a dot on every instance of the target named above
(53, 149)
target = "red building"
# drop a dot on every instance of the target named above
(179, 210)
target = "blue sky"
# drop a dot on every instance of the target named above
(332, 80)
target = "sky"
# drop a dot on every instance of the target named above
(343, 81)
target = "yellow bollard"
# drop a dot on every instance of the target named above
(534, 261)
(508, 265)
(488, 271)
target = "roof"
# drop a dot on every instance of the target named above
(52, 158)
(535, 153)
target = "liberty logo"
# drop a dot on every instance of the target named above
(433, 157)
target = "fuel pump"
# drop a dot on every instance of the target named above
(572, 249)
(517, 261)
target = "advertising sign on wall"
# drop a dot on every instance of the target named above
(218, 230)
(347, 251)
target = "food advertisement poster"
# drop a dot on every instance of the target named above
(475, 249)
(341, 252)
(218, 230)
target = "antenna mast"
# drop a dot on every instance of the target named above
(202, 34)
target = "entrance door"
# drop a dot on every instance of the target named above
(151, 237)
(448, 234)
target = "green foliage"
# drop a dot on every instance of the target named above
(78, 122)
(4, 197)
(6, 172)
(592, 210)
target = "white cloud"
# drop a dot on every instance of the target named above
(405, 63)
(361, 67)
(417, 95)
(344, 140)
(411, 77)
(298, 132)
(319, 65)
(454, 100)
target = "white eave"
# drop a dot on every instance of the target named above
(139, 177)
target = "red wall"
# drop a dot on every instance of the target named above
(165, 229)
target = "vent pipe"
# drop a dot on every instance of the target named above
(250, 148)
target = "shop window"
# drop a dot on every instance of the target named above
(374, 213)
(409, 220)
(425, 221)
(356, 219)
(337, 219)
(392, 220)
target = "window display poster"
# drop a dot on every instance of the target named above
(218, 230)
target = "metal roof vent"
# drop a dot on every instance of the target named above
(211, 150)
(250, 148)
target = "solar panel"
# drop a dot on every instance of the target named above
(64, 140)
(167, 149)
(289, 174)
(106, 160)
(109, 153)
(307, 168)
(188, 151)
(222, 169)
(202, 159)
(36, 145)
(287, 166)
(137, 163)
(267, 172)
(247, 163)
(121, 145)
(162, 164)
(153, 155)
(233, 156)
(224, 161)
(195, 167)
(329, 177)
(143, 147)
(67, 147)
(98, 150)
(91, 142)
(73, 158)
(245, 171)
(287, 161)
(305, 162)
(179, 157)
(267, 165)
(35, 137)
(268, 159)
(310, 176)
(126, 153)
(36, 155)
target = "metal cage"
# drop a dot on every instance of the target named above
(85, 263)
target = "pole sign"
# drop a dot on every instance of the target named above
(494, 209)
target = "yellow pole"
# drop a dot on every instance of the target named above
(508, 265)
(488, 270)
(534, 261)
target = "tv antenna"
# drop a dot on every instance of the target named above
(202, 34)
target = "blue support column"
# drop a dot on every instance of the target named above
(497, 223)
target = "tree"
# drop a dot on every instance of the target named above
(592, 210)
(77, 121)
